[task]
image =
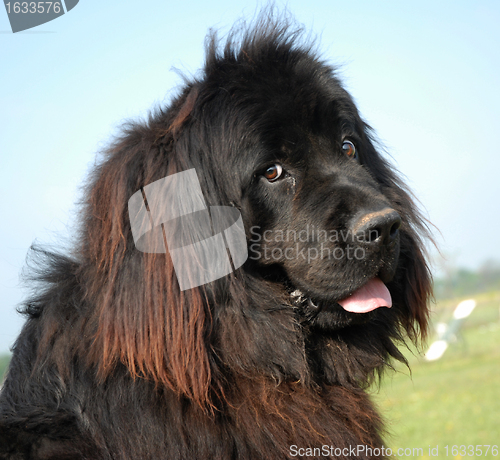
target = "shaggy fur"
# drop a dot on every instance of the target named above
(115, 362)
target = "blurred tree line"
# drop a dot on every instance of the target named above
(461, 282)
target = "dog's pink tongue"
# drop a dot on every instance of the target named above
(372, 295)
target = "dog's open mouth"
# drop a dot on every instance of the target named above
(370, 296)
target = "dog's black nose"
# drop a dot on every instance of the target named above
(378, 227)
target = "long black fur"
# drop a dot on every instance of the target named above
(115, 362)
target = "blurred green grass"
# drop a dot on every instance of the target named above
(452, 401)
(4, 362)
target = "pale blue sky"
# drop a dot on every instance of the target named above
(425, 75)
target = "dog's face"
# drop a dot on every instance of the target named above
(316, 216)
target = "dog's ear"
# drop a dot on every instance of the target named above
(412, 288)
(414, 285)
(142, 320)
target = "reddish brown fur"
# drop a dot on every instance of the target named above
(116, 362)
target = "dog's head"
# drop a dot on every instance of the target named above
(336, 267)
(325, 214)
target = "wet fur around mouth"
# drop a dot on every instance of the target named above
(116, 362)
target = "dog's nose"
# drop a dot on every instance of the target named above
(378, 227)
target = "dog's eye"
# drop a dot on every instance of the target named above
(349, 149)
(273, 173)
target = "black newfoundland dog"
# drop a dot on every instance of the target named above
(118, 361)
